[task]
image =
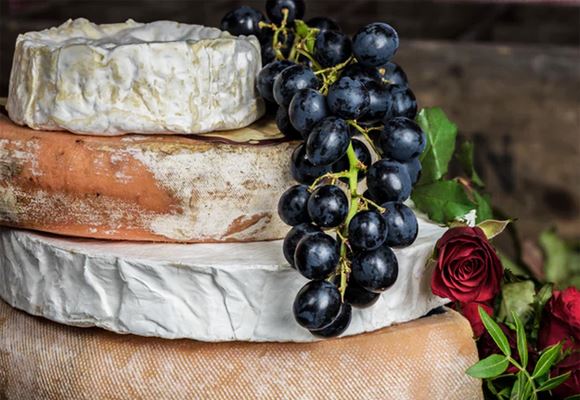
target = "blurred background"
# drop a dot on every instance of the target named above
(508, 73)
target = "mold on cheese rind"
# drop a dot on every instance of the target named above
(160, 77)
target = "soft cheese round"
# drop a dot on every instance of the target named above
(160, 77)
(208, 292)
(146, 187)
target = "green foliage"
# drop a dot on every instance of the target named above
(441, 134)
(547, 360)
(562, 261)
(492, 227)
(465, 157)
(522, 340)
(447, 199)
(517, 298)
(489, 367)
(442, 201)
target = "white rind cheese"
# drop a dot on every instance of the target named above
(206, 292)
(161, 77)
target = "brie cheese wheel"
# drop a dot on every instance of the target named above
(160, 77)
(145, 187)
(207, 292)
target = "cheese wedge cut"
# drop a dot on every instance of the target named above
(160, 77)
(421, 360)
(209, 292)
(154, 188)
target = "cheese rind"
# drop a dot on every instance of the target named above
(207, 292)
(161, 77)
(137, 187)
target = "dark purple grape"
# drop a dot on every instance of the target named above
(362, 153)
(375, 270)
(267, 76)
(316, 305)
(367, 230)
(332, 48)
(303, 170)
(328, 141)
(291, 80)
(379, 101)
(360, 72)
(394, 74)
(348, 99)
(323, 23)
(359, 297)
(338, 326)
(316, 256)
(293, 237)
(292, 205)
(268, 53)
(402, 104)
(284, 125)
(402, 224)
(328, 206)
(402, 139)
(389, 180)
(375, 44)
(243, 20)
(414, 169)
(274, 10)
(307, 108)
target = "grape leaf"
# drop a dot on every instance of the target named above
(489, 367)
(484, 211)
(301, 28)
(442, 201)
(465, 157)
(441, 134)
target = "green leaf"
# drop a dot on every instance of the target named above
(441, 134)
(562, 262)
(547, 360)
(521, 340)
(495, 332)
(493, 227)
(483, 203)
(442, 201)
(489, 367)
(554, 382)
(573, 397)
(465, 157)
(518, 298)
(511, 266)
(518, 386)
(544, 294)
(310, 44)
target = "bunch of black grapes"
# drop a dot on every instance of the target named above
(352, 108)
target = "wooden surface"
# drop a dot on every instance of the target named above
(423, 359)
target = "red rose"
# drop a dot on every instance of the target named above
(561, 320)
(468, 268)
(470, 311)
(572, 385)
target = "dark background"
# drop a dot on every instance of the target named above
(507, 73)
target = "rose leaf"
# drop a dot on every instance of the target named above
(518, 298)
(561, 260)
(522, 340)
(547, 360)
(489, 367)
(442, 201)
(484, 211)
(465, 157)
(495, 332)
(441, 134)
(493, 227)
(554, 382)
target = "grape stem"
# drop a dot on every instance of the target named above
(365, 133)
(282, 28)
